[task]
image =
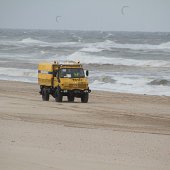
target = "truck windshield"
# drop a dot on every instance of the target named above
(72, 73)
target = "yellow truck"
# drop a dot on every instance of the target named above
(63, 79)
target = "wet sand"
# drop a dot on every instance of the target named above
(113, 131)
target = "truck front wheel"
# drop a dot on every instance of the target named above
(45, 95)
(84, 98)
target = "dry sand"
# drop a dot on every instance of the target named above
(112, 131)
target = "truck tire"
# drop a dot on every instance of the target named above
(45, 95)
(70, 98)
(84, 98)
(58, 96)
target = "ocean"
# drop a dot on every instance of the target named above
(128, 62)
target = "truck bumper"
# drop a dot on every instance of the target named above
(75, 92)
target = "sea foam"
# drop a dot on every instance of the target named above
(107, 44)
(87, 58)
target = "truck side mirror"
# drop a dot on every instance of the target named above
(87, 73)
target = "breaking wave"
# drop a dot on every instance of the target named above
(91, 49)
(137, 85)
(104, 79)
(26, 75)
(92, 59)
(32, 42)
(88, 47)
(163, 82)
(111, 44)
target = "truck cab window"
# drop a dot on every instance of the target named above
(72, 73)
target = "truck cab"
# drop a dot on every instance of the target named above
(66, 79)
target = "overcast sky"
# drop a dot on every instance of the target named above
(140, 15)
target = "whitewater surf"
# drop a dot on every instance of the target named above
(127, 62)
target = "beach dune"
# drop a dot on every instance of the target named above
(113, 131)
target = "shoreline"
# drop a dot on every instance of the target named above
(104, 91)
(111, 131)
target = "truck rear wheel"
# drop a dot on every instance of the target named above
(70, 98)
(58, 96)
(85, 97)
(45, 95)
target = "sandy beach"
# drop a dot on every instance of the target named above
(113, 131)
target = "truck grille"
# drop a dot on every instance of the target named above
(78, 86)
